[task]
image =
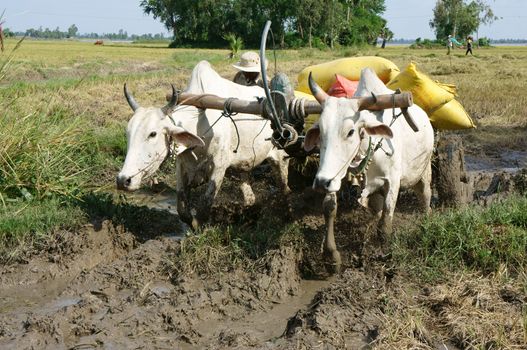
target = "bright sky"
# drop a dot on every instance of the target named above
(409, 19)
(406, 18)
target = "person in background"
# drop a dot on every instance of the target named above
(450, 43)
(469, 46)
(249, 70)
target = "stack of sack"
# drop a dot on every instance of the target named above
(340, 78)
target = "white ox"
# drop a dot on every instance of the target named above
(208, 151)
(343, 132)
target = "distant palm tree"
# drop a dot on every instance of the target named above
(386, 35)
(235, 44)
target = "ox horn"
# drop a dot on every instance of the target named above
(316, 91)
(169, 107)
(130, 99)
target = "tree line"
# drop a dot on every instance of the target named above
(294, 22)
(73, 32)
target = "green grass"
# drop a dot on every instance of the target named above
(473, 238)
(44, 153)
(221, 249)
(26, 224)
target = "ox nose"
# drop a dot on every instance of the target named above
(123, 182)
(321, 183)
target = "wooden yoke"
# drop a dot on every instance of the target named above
(372, 103)
(209, 101)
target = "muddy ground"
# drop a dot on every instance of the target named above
(115, 286)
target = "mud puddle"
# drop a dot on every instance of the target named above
(263, 326)
(509, 161)
(45, 277)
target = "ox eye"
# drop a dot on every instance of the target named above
(152, 134)
(351, 132)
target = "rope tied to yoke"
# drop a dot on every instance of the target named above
(228, 113)
(394, 119)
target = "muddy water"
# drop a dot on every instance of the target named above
(265, 325)
(40, 281)
(506, 161)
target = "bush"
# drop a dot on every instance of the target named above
(293, 41)
(484, 42)
(318, 43)
(427, 44)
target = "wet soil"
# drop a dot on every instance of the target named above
(113, 286)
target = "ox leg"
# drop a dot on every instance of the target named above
(330, 248)
(376, 203)
(280, 167)
(390, 200)
(248, 195)
(182, 193)
(213, 187)
(423, 190)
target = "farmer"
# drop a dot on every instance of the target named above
(450, 43)
(469, 46)
(249, 70)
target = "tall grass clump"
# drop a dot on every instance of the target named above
(44, 154)
(47, 155)
(475, 238)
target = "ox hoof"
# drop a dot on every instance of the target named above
(249, 199)
(333, 262)
(195, 222)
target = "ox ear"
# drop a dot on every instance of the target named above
(184, 137)
(312, 138)
(374, 127)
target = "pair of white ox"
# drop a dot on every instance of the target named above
(342, 135)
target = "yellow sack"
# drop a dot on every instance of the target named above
(350, 68)
(427, 94)
(312, 118)
(435, 98)
(451, 116)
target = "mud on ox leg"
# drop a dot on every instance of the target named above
(329, 248)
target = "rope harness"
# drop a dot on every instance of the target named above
(228, 113)
(356, 175)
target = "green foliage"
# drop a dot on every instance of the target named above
(44, 153)
(337, 22)
(484, 42)
(235, 44)
(460, 18)
(427, 44)
(474, 238)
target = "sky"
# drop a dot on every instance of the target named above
(406, 18)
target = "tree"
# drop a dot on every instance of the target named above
(72, 31)
(308, 16)
(460, 17)
(206, 22)
(386, 35)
